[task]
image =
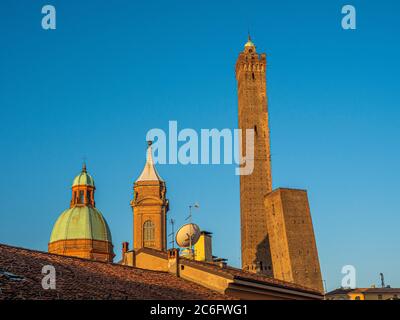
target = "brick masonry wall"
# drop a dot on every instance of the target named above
(150, 204)
(292, 239)
(253, 114)
(83, 248)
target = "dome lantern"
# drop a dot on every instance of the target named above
(83, 189)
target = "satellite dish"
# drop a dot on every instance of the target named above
(187, 232)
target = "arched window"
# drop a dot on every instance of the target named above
(148, 234)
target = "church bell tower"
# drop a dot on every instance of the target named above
(150, 207)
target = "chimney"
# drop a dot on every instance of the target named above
(128, 257)
(173, 261)
(203, 247)
(125, 247)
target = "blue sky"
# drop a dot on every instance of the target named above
(113, 70)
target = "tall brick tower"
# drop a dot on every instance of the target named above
(150, 208)
(276, 226)
(253, 114)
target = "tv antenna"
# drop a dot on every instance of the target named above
(172, 234)
(192, 230)
(196, 206)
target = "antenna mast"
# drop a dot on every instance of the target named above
(172, 234)
(191, 251)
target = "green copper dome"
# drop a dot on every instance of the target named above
(83, 179)
(81, 223)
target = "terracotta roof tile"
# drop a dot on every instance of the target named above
(364, 290)
(382, 290)
(358, 290)
(339, 291)
(76, 278)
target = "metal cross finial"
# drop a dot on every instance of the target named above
(83, 164)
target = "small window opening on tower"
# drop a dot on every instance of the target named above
(148, 233)
(252, 75)
(81, 197)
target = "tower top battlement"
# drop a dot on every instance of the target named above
(250, 60)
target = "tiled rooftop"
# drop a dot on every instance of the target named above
(365, 290)
(236, 273)
(76, 278)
